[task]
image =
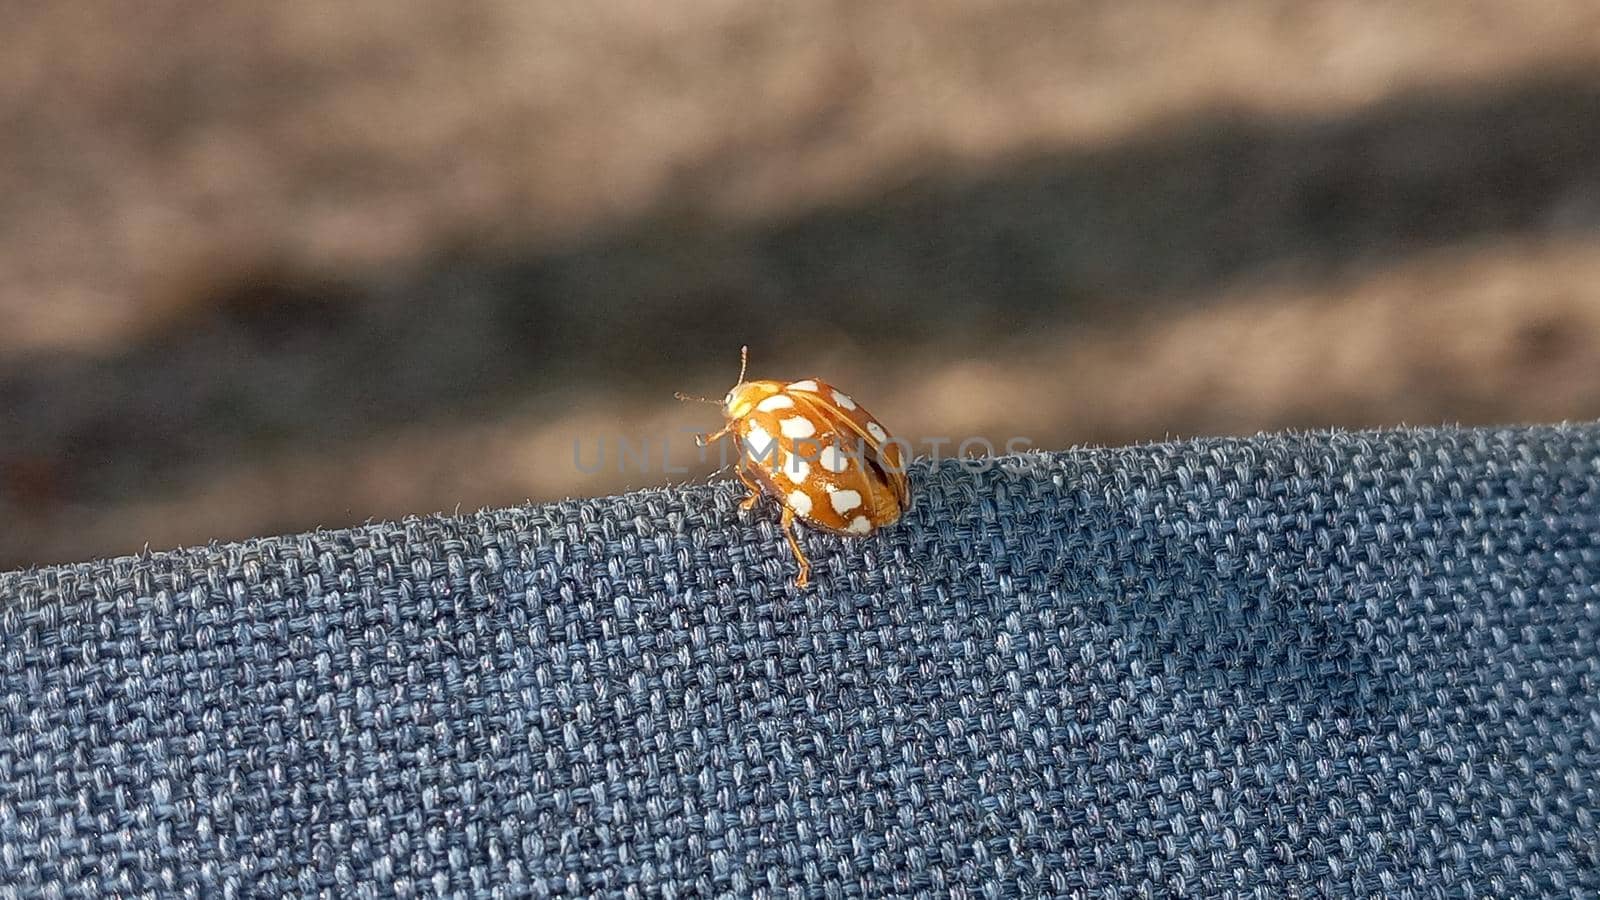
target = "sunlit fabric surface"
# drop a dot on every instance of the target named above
(1305, 665)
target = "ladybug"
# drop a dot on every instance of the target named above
(816, 451)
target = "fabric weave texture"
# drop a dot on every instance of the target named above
(1305, 665)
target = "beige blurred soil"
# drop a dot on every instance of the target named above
(268, 267)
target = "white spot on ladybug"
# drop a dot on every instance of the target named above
(775, 402)
(800, 502)
(796, 469)
(843, 400)
(858, 525)
(877, 432)
(844, 501)
(797, 427)
(758, 443)
(807, 385)
(833, 459)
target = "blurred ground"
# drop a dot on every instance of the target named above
(265, 267)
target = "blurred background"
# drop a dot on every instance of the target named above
(266, 267)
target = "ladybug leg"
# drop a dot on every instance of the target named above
(706, 440)
(804, 575)
(755, 490)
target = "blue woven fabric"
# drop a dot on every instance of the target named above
(1305, 665)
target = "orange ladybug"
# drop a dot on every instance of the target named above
(816, 451)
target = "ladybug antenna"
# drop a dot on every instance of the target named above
(744, 361)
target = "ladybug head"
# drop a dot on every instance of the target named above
(745, 395)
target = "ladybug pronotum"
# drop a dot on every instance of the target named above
(816, 451)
